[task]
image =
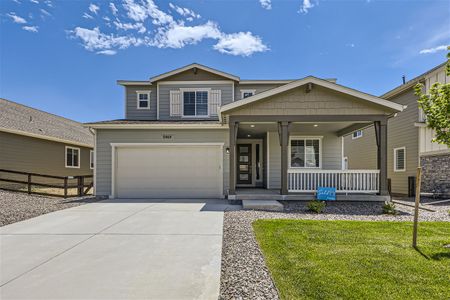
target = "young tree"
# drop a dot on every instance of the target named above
(436, 106)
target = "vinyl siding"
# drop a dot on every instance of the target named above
(106, 137)
(189, 75)
(362, 152)
(164, 96)
(28, 154)
(131, 110)
(331, 154)
(257, 87)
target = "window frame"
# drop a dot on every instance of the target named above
(195, 90)
(304, 138)
(79, 157)
(247, 91)
(404, 159)
(91, 159)
(138, 93)
(358, 136)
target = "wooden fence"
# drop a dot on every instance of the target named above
(81, 185)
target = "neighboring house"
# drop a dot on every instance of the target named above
(199, 132)
(38, 142)
(409, 143)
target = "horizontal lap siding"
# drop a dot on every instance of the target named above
(331, 154)
(259, 88)
(106, 137)
(132, 113)
(164, 96)
(361, 152)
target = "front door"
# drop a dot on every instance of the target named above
(244, 164)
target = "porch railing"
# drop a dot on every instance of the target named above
(345, 181)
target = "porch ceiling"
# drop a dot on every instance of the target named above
(258, 130)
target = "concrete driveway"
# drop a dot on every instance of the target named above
(116, 249)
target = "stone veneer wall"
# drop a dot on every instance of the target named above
(436, 174)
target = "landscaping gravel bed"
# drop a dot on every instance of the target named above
(244, 273)
(15, 206)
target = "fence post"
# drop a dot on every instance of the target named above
(29, 183)
(80, 185)
(65, 187)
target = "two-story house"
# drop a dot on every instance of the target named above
(409, 143)
(197, 132)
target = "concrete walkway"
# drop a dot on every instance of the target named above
(116, 249)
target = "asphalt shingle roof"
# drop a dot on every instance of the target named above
(18, 117)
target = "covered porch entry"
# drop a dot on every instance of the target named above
(298, 130)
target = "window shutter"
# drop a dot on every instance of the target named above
(175, 103)
(215, 101)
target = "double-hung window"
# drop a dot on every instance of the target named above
(195, 103)
(143, 99)
(305, 152)
(400, 159)
(72, 157)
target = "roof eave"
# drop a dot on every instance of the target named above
(194, 65)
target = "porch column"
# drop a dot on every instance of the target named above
(284, 141)
(233, 135)
(381, 135)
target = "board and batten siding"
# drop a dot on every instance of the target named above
(29, 154)
(164, 96)
(105, 137)
(258, 88)
(131, 110)
(331, 154)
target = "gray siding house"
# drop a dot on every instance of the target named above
(197, 132)
(34, 141)
(409, 143)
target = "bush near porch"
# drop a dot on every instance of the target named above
(356, 260)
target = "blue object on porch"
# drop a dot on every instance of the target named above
(326, 193)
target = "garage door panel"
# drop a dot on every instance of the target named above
(169, 172)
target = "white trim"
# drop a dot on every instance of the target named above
(91, 159)
(194, 65)
(157, 101)
(79, 157)
(94, 188)
(233, 91)
(247, 91)
(342, 153)
(207, 90)
(268, 161)
(114, 146)
(395, 159)
(148, 93)
(44, 137)
(299, 137)
(191, 82)
(158, 126)
(263, 81)
(357, 136)
(131, 82)
(320, 82)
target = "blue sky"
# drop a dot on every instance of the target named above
(64, 57)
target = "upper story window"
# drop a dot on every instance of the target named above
(143, 99)
(247, 93)
(72, 157)
(400, 159)
(357, 134)
(195, 103)
(305, 152)
(91, 159)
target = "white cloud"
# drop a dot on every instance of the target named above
(34, 1)
(128, 26)
(185, 12)
(433, 50)
(30, 28)
(48, 3)
(113, 8)
(241, 43)
(93, 8)
(94, 40)
(107, 52)
(17, 1)
(16, 18)
(87, 16)
(306, 5)
(266, 4)
(178, 36)
(43, 11)
(139, 12)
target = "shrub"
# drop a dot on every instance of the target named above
(389, 208)
(316, 206)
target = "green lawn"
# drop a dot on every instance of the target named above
(356, 260)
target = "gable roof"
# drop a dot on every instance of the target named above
(194, 65)
(319, 82)
(23, 120)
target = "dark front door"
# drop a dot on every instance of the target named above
(244, 164)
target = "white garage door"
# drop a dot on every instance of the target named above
(169, 171)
